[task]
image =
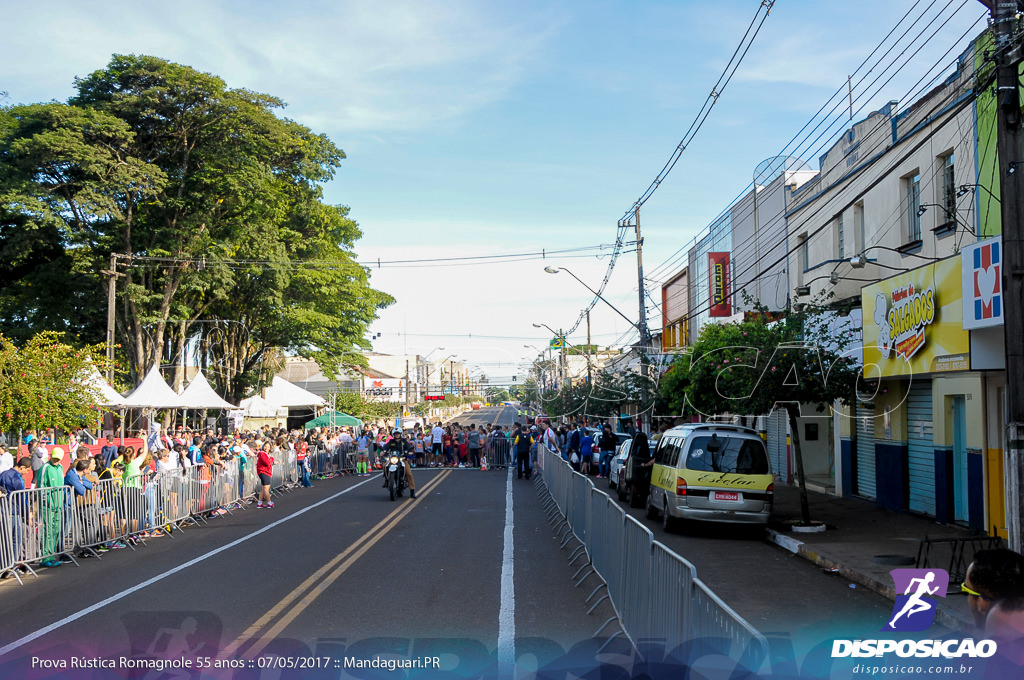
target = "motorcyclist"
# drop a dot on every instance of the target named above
(400, 446)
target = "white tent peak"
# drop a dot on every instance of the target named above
(283, 394)
(200, 395)
(152, 392)
(108, 396)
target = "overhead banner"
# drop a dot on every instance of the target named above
(718, 275)
(913, 323)
(982, 265)
(384, 389)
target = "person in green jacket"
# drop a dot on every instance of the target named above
(52, 509)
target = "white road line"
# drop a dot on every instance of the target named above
(6, 649)
(507, 612)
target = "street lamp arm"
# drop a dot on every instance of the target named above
(551, 270)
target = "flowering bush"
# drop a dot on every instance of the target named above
(42, 383)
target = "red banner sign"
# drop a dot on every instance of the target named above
(718, 276)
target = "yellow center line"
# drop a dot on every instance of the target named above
(321, 580)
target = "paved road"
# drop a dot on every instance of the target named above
(488, 415)
(334, 571)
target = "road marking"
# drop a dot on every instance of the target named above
(507, 612)
(170, 572)
(318, 582)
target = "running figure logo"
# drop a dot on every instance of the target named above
(914, 609)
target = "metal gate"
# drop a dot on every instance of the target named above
(921, 449)
(778, 444)
(864, 474)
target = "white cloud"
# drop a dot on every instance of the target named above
(401, 65)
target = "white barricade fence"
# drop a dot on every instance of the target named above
(41, 524)
(277, 476)
(98, 514)
(654, 591)
(636, 605)
(499, 453)
(7, 546)
(670, 573)
(717, 629)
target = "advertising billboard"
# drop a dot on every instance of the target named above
(718, 280)
(982, 265)
(913, 322)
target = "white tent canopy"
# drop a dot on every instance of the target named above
(153, 392)
(199, 395)
(258, 407)
(107, 395)
(284, 394)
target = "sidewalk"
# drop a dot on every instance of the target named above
(864, 542)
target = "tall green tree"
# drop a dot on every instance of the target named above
(754, 367)
(210, 201)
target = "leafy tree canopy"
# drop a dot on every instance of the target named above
(213, 205)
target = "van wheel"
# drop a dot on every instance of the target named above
(669, 523)
(652, 512)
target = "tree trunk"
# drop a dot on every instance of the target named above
(805, 511)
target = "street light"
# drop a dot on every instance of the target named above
(645, 341)
(553, 270)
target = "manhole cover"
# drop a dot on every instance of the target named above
(895, 560)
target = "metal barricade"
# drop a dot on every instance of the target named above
(499, 453)
(714, 624)
(636, 602)
(42, 525)
(7, 551)
(346, 458)
(97, 514)
(674, 576)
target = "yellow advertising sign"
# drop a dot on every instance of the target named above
(913, 323)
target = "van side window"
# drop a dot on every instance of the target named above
(729, 454)
(661, 451)
(672, 460)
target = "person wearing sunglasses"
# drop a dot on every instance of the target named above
(995, 575)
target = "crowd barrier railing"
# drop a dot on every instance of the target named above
(655, 592)
(499, 453)
(58, 523)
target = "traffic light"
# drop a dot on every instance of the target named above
(513, 378)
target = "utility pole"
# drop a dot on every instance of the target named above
(561, 359)
(1011, 171)
(644, 333)
(588, 348)
(406, 390)
(111, 305)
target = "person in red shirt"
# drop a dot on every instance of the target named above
(264, 469)
(301, 451)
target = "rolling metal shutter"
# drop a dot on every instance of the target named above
(778, 451)
(921, 448)
(864, 475)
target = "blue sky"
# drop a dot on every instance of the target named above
(482, 128)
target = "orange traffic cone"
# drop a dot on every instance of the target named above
(483, 462)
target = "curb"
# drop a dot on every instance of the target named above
(800, 549)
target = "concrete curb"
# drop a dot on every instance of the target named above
(801, 549)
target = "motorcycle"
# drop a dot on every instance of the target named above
(394, 471)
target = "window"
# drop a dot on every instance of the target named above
(858, 224)
(805, 253)
(841, 238)
(727, 454)
(913, 192)
(948, 198)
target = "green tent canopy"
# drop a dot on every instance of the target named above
(334, 419)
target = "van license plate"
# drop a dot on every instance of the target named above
(726, 496)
